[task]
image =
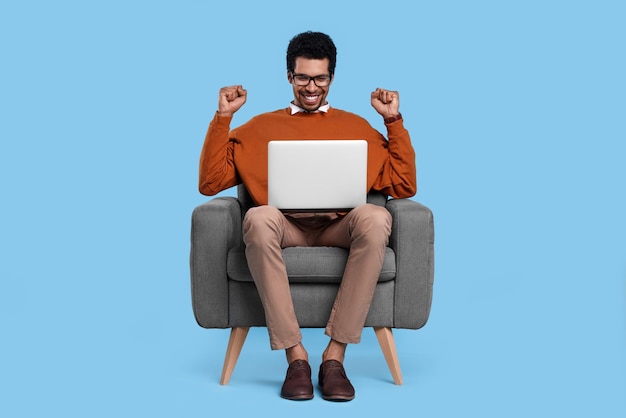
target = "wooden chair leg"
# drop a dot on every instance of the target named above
(235, 343)
(388, 345)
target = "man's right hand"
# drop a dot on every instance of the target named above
(231, 99)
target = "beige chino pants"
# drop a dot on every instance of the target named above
(364, 231)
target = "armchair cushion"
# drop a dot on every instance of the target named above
(308, 265)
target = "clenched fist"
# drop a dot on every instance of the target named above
(231, 99)
(386, 102)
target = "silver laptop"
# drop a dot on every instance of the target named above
(317, 175)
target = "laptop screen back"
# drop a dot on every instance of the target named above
(309, 175)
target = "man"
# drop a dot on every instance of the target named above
(230, 157)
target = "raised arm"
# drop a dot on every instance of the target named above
(398, 178)
(217, 165)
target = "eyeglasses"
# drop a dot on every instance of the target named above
(304, 80)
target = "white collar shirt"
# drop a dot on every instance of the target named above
(297, 109)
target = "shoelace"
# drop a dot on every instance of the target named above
(299, 365)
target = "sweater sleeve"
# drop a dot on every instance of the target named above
(398, 175)
(217, 164)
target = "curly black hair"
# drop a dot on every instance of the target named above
(311, 45)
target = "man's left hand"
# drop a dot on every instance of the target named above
(386, 102)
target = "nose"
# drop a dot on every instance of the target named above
(311, 86)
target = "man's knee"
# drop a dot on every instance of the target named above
(262, 223)
(372, 220)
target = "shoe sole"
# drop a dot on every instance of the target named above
(338, 398)
(298, 397)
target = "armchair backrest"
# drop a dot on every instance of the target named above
(245, 200)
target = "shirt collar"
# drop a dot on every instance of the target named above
(297, 109)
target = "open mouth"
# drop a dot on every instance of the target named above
(311, 99)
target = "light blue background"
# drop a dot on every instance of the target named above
(517, 113)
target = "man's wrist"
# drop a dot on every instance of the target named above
(392, 119)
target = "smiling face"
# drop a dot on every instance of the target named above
(310, 97)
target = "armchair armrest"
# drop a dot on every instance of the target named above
(412, 239)
(215, 229)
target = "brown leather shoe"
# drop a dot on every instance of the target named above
(298, 385)
(334, 382)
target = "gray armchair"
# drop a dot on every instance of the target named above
(224, 294)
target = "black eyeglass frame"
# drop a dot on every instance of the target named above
(315, 79)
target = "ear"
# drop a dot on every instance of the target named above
(289, 78)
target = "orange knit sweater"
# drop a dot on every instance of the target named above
(230, 158)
